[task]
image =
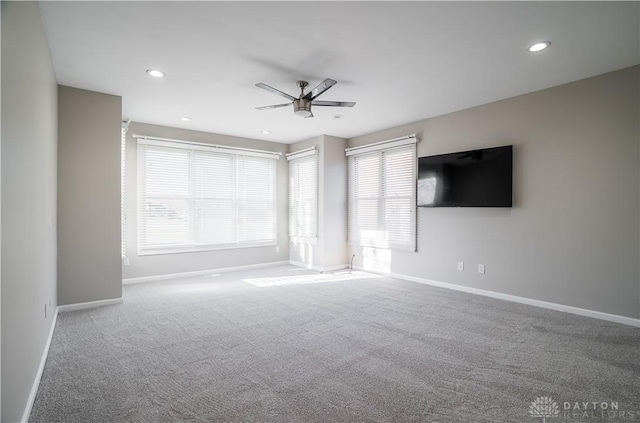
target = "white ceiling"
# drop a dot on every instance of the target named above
(399, 61)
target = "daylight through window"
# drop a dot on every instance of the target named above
(303, 194)
(195, 197)
(382, 189)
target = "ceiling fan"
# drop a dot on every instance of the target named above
(302, 104)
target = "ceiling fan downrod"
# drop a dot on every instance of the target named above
(302, 85)
(302, 106)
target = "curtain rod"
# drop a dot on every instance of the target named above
(304, 150)
(228, 147)
(406, 137)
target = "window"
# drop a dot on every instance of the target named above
(194, 197)
(303, 194)
(382, 190)
(123, 202)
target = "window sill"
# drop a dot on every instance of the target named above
(204, 248)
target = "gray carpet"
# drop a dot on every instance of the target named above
(284, 344)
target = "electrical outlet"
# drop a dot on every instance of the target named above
(481, 268)
(125, 261)
(460, 266)
(277, 248)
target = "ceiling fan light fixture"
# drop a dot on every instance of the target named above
(303, 113)
(302, 107)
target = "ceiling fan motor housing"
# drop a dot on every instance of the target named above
(302, 107)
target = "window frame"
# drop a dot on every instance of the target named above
(192, 149)
(381, 198)
(295, 160)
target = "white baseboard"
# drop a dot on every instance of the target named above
(200, 272)
(316, 268)
(90, 304)
(516, 299)
(43, 360)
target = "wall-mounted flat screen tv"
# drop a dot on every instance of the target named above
(475, 178)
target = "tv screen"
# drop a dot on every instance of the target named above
(476, 178)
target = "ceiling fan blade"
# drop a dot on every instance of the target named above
(273, 106)
(275, 91)
(333, 103)
(322, 87)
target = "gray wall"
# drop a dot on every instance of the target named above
(89, 266)
(163, 264)
(572, 236)
(333, 203)
(330, 250)
(29, 136)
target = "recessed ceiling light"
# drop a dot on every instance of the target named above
(539, 46)
(266, 132)
(185, 118)
(155, 73)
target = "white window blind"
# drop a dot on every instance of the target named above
(123, 193)
(382, 195)
(303, 194)
(193, 197)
